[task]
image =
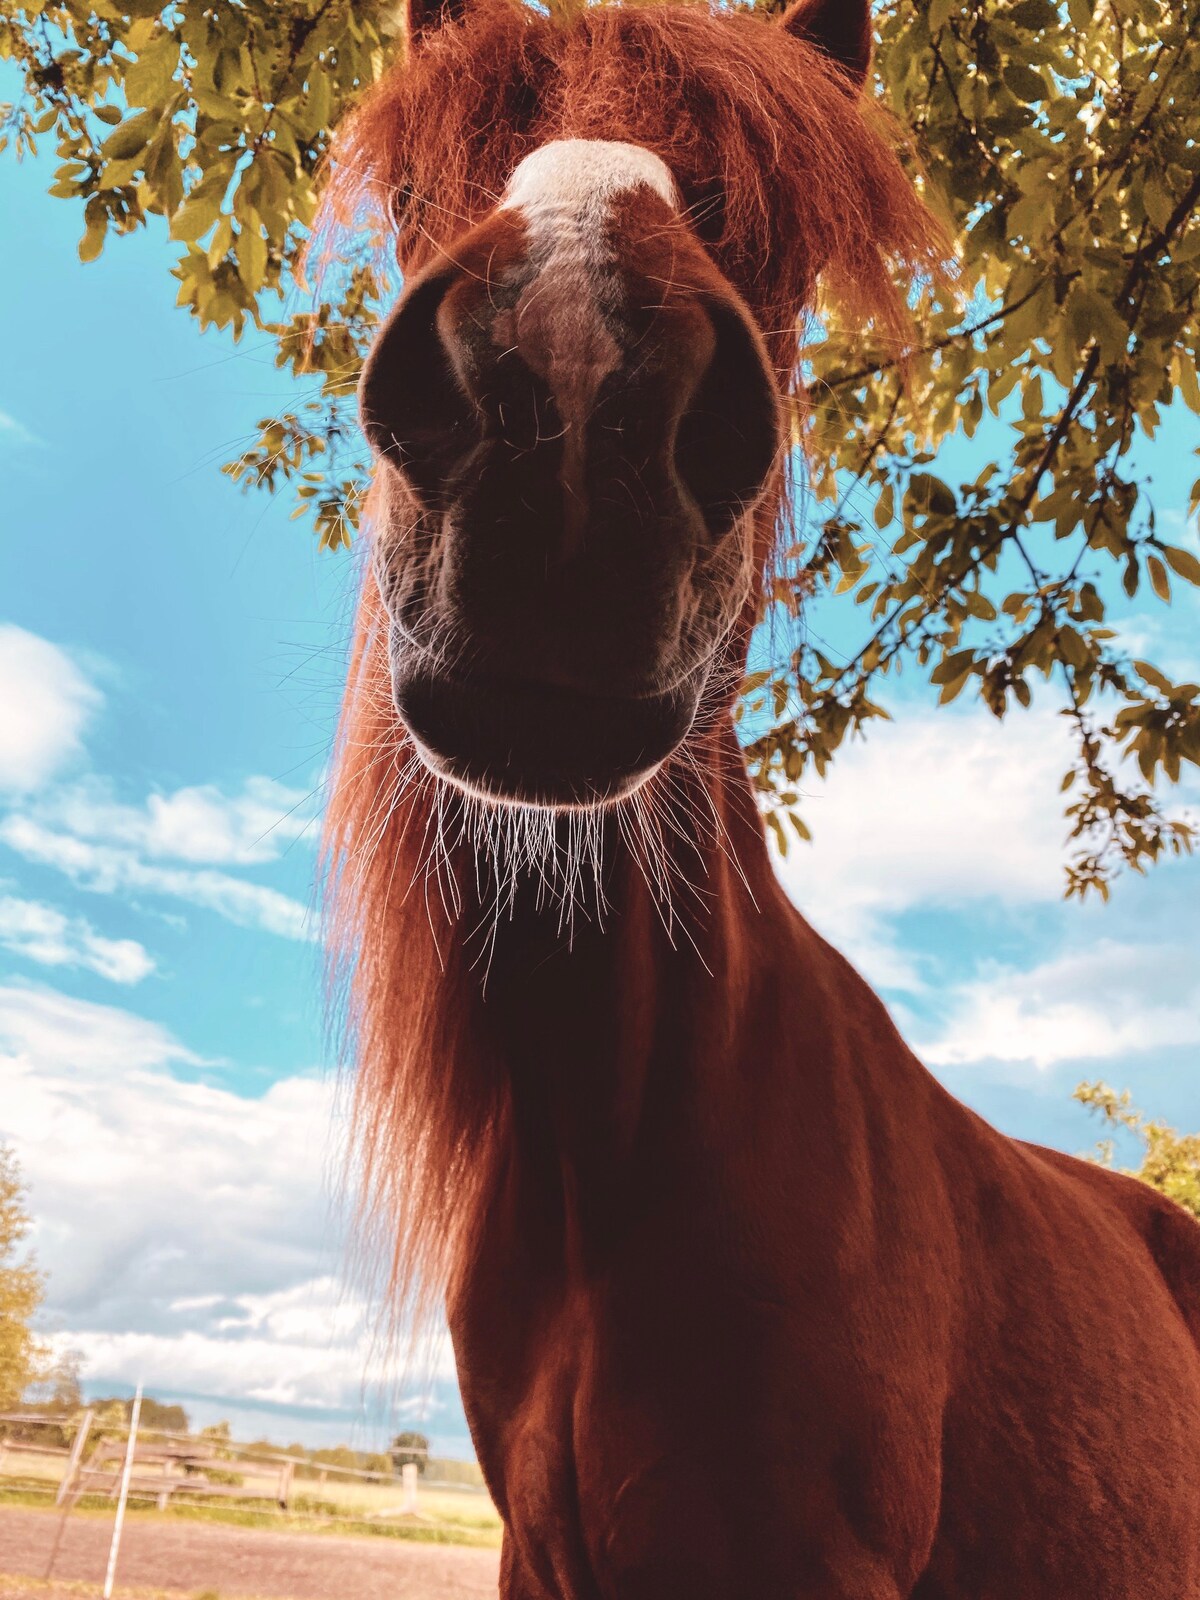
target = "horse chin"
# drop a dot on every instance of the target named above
(515, 744)
(495, 797)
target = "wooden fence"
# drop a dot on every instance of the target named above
(172, 1468)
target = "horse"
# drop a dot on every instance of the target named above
(743, 1302)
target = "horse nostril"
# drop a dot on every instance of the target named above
(414, 408)
(730, 433)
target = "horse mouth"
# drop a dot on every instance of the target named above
(512, 742)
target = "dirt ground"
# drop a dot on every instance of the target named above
(224, 1563)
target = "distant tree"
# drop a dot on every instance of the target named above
(410, 1448)
(1170, 1160)
(303, 1458)
(168, 1418)
(57, 1392)
(54, 1397)
(156, 1416)
(24, 1360)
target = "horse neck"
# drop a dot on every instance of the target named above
(595, 1020)
(524, 1053)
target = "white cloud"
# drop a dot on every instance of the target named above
(1111, 999)
(45, 704)
(48, 936)
(112, 869)
(198, 824)
(169, 845)
(941, 808)
(162, 1203)
(311, 1344)
(188, 1231)
(42, 1030)
(14, 432)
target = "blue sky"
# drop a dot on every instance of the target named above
(170, 655)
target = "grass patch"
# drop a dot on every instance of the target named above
(14, 1584)
(314, 1517)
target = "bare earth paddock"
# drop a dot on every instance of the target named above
(165, 1560)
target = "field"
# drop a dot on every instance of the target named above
(221, 1534)
(466, 1508)
(174, 1558)
(445, 1514)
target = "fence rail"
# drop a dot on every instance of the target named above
(204, 1471)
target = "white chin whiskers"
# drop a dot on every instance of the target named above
(479, 792)
(484, 853)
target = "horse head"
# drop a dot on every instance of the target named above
(577, 405)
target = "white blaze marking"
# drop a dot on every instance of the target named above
(580, 178)
(565, 193)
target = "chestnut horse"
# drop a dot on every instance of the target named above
(743, 1303)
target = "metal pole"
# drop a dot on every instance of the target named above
(65, 1497)
(83, 1428)
(126, 1474)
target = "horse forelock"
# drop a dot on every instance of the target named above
(783, 171)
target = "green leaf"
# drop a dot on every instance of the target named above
(927, 495)
(1159, 581)
(885, 507)
(1031, 216)
(954, 667)
(195, 216)
(148, 80)
(1154, 677)
(92, 242)
(130, 137)
(1024, 82)
(800, 826)
(1034, 14)
(777, 829)
(1182, 562)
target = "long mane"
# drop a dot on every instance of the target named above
(790, 178)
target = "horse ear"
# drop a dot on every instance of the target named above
(839, 28)
(427, 16)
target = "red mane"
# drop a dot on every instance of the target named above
(790, 176)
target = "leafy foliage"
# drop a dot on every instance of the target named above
(155, 1416)
(1057, 138)
(216, 119)
(1058, 141)
(1170, 1161)
(23, 1359)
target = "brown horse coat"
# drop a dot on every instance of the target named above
(743, 1302)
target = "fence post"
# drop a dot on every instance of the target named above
(82, 1430)
(126, 1474)
(408, 1480)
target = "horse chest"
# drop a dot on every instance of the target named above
(659, 1436)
